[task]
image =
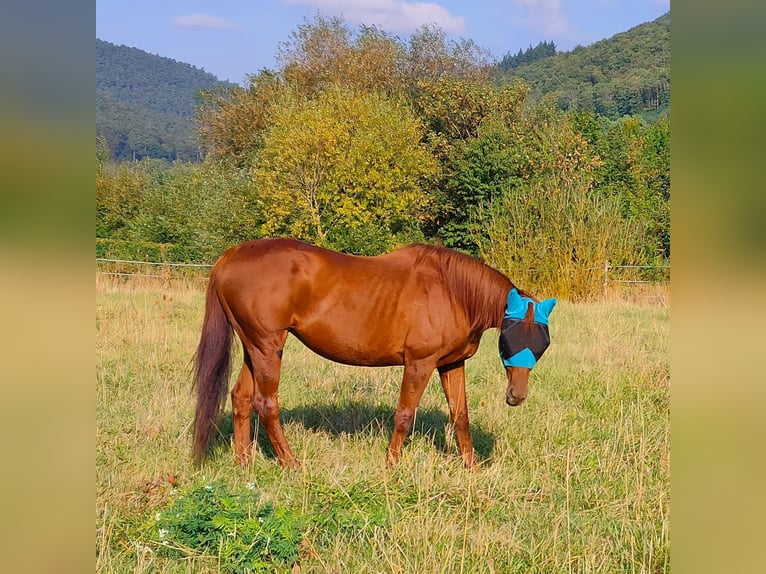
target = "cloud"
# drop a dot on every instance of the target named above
(203, 21)
(392, 15)
(545, 15)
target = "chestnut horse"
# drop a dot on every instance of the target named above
(421, 306)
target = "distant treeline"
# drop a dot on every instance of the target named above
(521, 58)
(362, 142)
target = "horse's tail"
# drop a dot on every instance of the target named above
(211, 371)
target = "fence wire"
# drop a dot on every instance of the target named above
(612, 274)
(130, 268)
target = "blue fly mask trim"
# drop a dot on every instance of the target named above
(523, 342)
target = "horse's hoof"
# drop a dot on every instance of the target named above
(290, 464)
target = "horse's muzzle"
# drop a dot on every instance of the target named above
(513, 400)
(518, 385)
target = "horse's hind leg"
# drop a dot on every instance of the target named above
(242, 406)
(267, 362)
(453, 383)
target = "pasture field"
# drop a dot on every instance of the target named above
(576, 479)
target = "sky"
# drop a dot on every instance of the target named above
(234, 38)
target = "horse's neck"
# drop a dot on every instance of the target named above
(489, 312)
(500, 296)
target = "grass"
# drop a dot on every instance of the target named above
(574, 480)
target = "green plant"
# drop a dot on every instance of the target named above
(245, 533)
(351, 512)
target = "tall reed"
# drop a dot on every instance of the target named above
(554, 235)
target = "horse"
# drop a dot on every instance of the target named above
(422, 306)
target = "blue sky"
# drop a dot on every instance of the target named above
(234, 38)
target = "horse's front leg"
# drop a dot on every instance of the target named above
(414, 381)
(453, 382)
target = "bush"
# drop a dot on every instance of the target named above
(243, 532)
(193, 211)
(145, 251)
(553, 237)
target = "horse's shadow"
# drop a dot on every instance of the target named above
(362, 418)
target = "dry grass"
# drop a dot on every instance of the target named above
(575, 480)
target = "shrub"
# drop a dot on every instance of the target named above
(243, 532)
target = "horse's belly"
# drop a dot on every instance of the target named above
(351, 347)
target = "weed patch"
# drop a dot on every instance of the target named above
(237, 528)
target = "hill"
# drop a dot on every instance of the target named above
(627, 74)
(146, 104)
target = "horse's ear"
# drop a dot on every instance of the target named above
(515, 306)
(545, 307)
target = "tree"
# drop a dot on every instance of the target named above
(344, 165)
(454, 108)
(231, 122)
(470, 127)
(120, 193)
(326, 53)
(636, 170)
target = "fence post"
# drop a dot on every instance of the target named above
(165, 266)
(606, 275)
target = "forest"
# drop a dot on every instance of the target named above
(361, 141)
(146, 104)
(627, 74)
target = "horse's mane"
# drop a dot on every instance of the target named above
(475, 286)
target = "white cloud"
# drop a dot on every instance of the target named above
(392, 15)
(544, 15)
(203, 21)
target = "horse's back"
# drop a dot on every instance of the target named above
(289, 266)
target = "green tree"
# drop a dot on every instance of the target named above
(656, 161)
(636, 170)
(202, 209)
(542, 50)
(344, 165)
(469, 126)
(198, 209)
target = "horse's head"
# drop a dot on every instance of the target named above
(523, 339)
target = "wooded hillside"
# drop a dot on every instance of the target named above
(627, 74)
(146, 104)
